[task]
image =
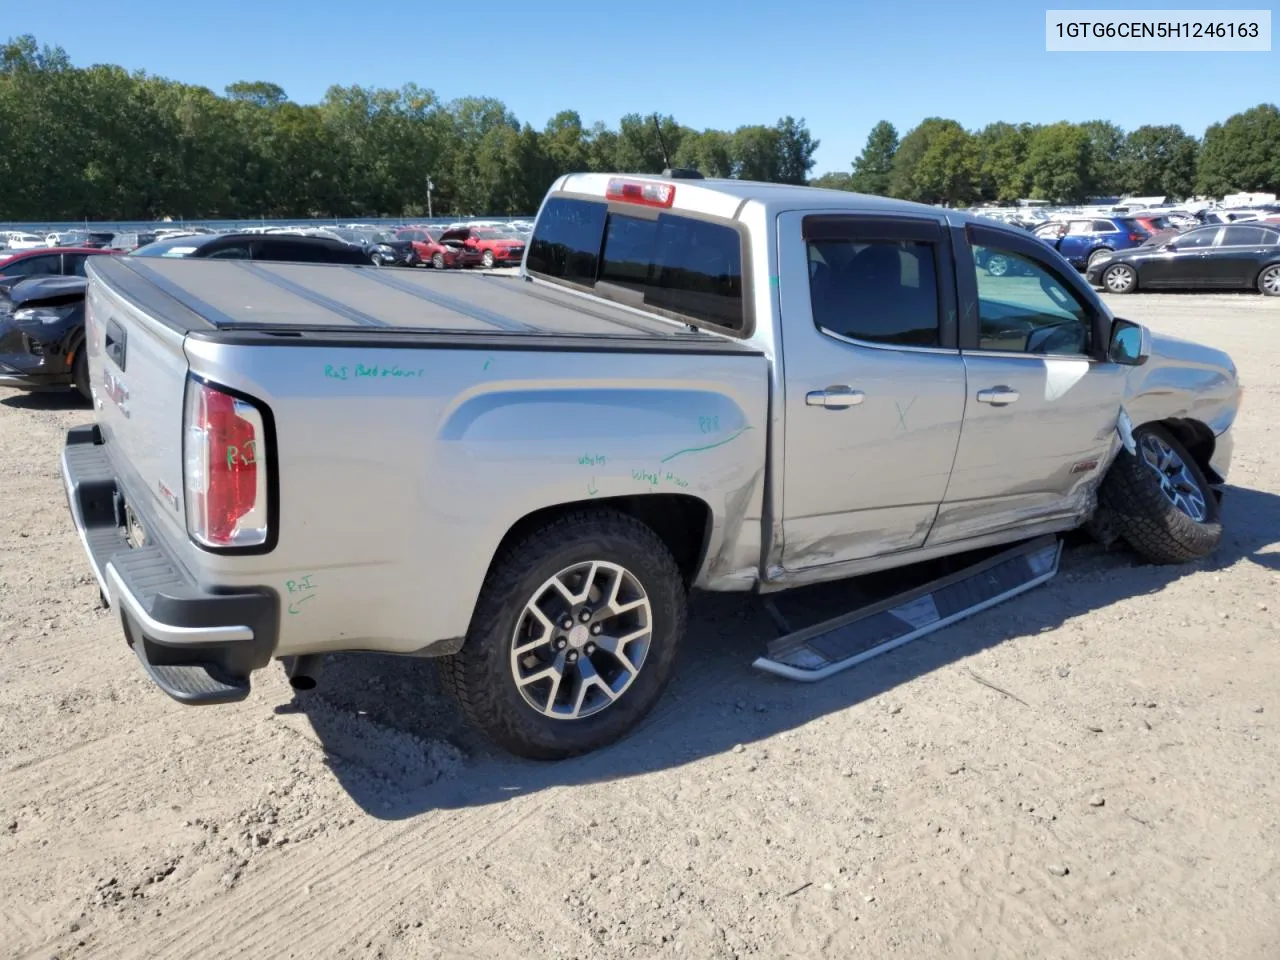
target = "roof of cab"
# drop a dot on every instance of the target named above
(726, 197)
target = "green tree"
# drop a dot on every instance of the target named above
(756, 154)
(1105, 143)
(836, 180)
(1158, 161)
(1242, 153)
(260, 93)
(1002, 150)
(796, 148)
(873, 170)
(1060, 164)
(937, 162)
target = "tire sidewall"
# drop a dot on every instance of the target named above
(1261, 276)
(491, 641)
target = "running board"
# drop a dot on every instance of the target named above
(817, 652)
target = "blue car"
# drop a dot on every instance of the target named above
(1079, 241)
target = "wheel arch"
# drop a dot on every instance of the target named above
(682, 521)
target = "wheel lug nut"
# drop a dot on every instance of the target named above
(573, 655)
(566, 624)
(595, 629)
(591, 648)
(584, 616)
(561, 643)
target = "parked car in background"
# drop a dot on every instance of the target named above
(131, 240)
(20, 240)
(440, 253)
(1083, 239)
(1236, 256)
(43, 262)
(294, 248)
(495, 247)
(42, 337)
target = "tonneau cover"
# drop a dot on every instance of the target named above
(246, 295)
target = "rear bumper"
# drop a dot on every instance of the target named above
(198, 645)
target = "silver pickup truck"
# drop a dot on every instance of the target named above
(691, 383)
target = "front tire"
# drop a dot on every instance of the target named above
(573, 638)
(1269, 281)
(1160, 502)
(997, 265)
(1120, 278)
(437, 261)
(80, 373)
(488, 260)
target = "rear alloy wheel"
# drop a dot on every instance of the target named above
(1121, 278)
(1101, 251)
(375, 259)
(437, 261)
(488, 260)
(1269, 281)
(1160, 501)
(573, 638)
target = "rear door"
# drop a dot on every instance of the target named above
(1234, 260)
(874, 383)
(1042, 401)
(1077, 241)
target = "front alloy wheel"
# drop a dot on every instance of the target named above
(1177, 484)
(1119, 279)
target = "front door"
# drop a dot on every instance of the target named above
(874, 383)
(1233, 260)
(1042, 404)
(1186, 265)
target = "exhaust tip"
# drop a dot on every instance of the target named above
(303, 671)
(302, 682)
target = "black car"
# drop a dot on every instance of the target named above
(382, 248)
(286, 247)
(42, 337)
(1238, 256)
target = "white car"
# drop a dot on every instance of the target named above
(17, 240)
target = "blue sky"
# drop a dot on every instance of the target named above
(840, 65)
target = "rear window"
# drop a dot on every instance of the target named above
(678, 264)
(1135, 226)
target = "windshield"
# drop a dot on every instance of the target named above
(491, 234)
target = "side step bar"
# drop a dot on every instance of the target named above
(817, 652)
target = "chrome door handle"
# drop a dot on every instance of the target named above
(834, 398)
(998, 396)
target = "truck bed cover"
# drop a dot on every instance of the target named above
(217, 298)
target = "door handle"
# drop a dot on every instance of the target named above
(998, 396)
(834, 398)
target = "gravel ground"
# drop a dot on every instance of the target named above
(1115, 797)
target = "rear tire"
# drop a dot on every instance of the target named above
(544, 719)
(1160, 502)
(437, 261)
(1094, 254)
(80, 373)
(488, 260)
(1269, 281)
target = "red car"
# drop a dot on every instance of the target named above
(495, 247)
(432, 248)
(47, 261)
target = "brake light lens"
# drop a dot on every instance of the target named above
(224, 469)
(638, 191)
(1136, 237)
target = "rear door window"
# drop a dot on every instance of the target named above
(876, 291)
(48, 264)
(1197, 238)
(697, 270)
(1240, 236)
(1104, 226)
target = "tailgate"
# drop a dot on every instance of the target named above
(138, 370)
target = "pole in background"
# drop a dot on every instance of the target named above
(429, 186)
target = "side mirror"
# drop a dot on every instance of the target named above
(1130, 343)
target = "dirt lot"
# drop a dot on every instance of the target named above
(1118, 797)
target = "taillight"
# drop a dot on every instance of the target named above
(638, 191)
(1136, 238)
(225, 469)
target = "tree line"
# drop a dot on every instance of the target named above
(101, 143)
(939, 161)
